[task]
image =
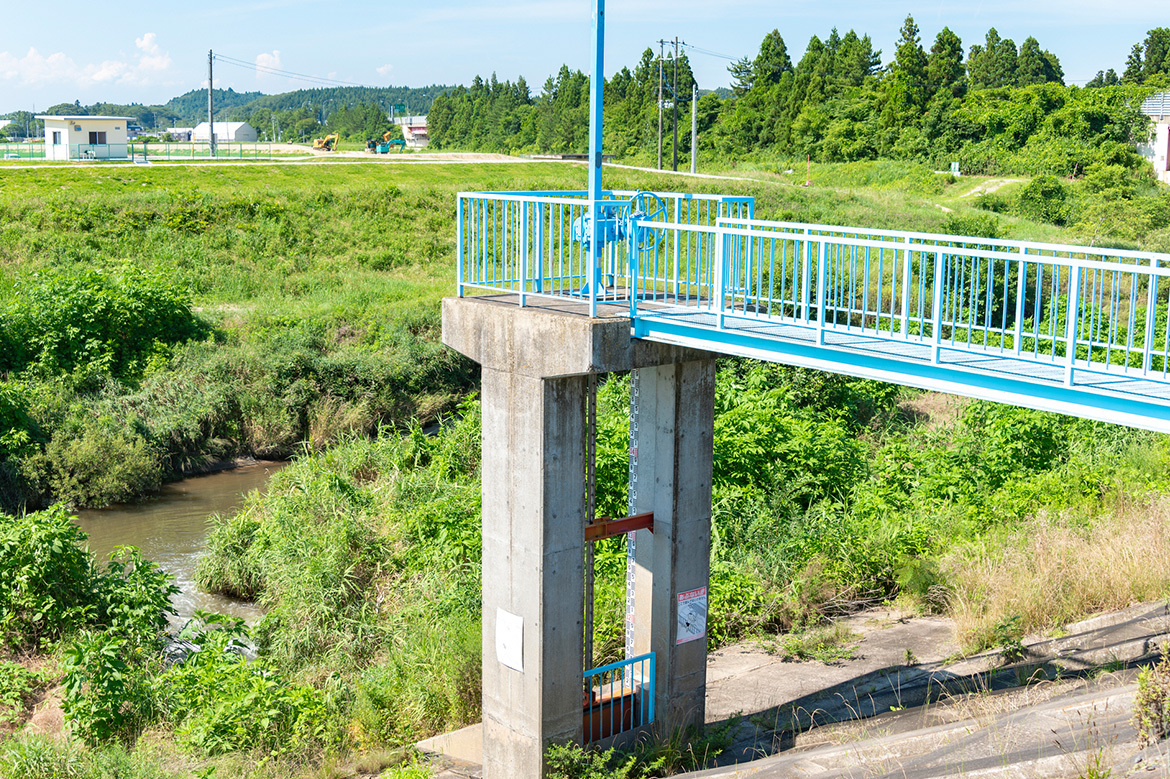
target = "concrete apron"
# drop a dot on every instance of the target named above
(535, 362)
(1067, 704)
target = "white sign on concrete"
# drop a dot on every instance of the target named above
(510, 639)
(692, 615)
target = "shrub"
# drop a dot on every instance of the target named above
(109, 693)
(97, 320)
(102, 463)
(17, 684)
(48, 585)
(1151, 704)
(219, 702)
(136, 597)
(1043, 199)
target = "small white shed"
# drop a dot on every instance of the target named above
(227, 132)
(86, 137)
(1157, 151)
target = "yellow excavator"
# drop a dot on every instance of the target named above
(328, 143)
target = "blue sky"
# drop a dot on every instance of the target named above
(148, 54)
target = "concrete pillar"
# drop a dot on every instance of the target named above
(676, 436)
(536, 361)
(534, 503)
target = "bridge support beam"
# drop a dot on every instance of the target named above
(535, 363)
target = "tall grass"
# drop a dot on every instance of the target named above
(1057, 568)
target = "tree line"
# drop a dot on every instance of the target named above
(354, 112)
(994, 107)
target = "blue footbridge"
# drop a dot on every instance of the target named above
(1074, 329)
(1079, 330)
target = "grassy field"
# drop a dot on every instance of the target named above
(155, 319)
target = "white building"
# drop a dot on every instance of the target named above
(1157, 151)
(86, 137)
(414, 131)
(227, 132)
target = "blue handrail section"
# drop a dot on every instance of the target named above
(618, 697)
(1076, 329)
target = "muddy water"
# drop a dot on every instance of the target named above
(172, 531)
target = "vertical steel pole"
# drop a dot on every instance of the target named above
(674, 107)
(210, 106)
(694, 129)
(596, 98)
(661, 54)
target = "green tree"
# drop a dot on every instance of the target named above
(772, 62)
(944, 65)
(1134, 69)
(993, 64)
(1037, 67)
(1156, 57)
(1104, 78)
(741, 76)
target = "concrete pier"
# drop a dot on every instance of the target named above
(677, 407)
(535, 363)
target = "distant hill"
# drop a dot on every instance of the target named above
(416, 99)
(189, 109)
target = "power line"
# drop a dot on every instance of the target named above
(292, 75)
(709, 53)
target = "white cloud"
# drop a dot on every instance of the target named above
(266, 62)
(34, 68)
(148, 43)
(385, 69)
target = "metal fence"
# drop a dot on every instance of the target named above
(200, 151)
(618, 697)
(22, 151)
(135, 151)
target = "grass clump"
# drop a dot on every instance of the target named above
(367, 556)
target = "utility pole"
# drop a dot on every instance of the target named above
(210, 105)
(674, 104)
(661, 44)
(694, 128)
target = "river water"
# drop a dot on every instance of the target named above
(172, 531)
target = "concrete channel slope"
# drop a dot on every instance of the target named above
(1064, 709)
(896, 703)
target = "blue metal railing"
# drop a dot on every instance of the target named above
(618, 697)
(969, 315)
(522, 242)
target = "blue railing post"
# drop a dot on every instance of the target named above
(624, 698)
(936, 306)
(1151, 315)
(522, 250)
(1021, 282)
(1070, 328)
(822, 297)
(460, 254)
(718, 280)
(907, 262)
